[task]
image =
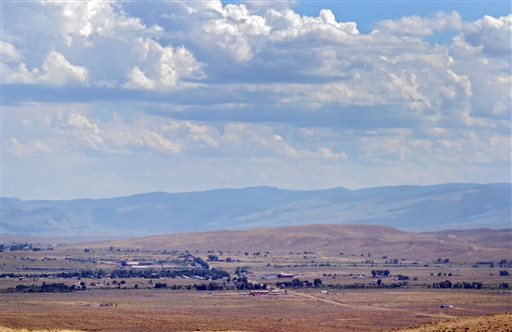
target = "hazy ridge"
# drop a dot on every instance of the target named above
(412, 208)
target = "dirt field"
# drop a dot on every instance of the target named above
(8, 329)
(497, 323)
(165, 310)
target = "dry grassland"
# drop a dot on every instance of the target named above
(496, 323)
(155, 310)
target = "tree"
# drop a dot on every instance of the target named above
(380, 273)
(213, 258)
(201, 262)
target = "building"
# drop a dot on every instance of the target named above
(259, 292)
(285, 275)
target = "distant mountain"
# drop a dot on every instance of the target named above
(413, 208)
(459, 246)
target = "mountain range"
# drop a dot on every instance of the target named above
(409, 208)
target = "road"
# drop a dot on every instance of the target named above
(369, 307)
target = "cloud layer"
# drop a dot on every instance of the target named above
(249, 90)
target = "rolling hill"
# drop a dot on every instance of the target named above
(468, 245)
(412, 208)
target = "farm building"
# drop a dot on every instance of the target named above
(285, 275)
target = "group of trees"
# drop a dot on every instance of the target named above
(443, 261)
(297, 283)
(20, 246)
(402, 277)
(505, 263)
(458, 284)
(201, 262)
(242, 283)
(361, 285)
(242, 271)
(45, 288)
(380, 273)
(235, 284)
(213, 274)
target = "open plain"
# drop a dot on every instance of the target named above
(298, 280)
(167, 310)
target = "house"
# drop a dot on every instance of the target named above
(258, 292)
(285, 275)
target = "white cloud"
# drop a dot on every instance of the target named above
(9, 52)
(232, 31)
(78, 131)
(262, 140)
(192, 132)
(271, 87)
(79, 21)
(110, 46)
(31, 148)
(58, 71)
(158, 142)
(164, 67)
(492, 34)
(288, 25)
(138, 80)
(55, 70)
(420, 26)
(243, 48)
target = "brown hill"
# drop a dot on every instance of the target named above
(464, 246)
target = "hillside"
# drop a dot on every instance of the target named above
(413, 208)
(469, 246)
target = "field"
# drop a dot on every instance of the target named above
(150, 286)
(136, 310)
(495, 322)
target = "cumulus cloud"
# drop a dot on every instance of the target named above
(113, 49)
(9, 52)
(74, 131)
(271, 55)
(420, 26)
(493, 34)
(259, 82)
(55, 70)
(163, 67)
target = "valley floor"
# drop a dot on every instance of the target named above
(304, 310)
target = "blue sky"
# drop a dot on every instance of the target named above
(113, 98)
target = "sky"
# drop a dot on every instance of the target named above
(103, 99)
